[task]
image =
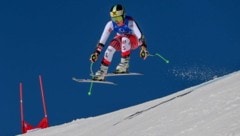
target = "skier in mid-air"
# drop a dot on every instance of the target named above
(128, 37)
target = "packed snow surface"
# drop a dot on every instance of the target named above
(208, 109)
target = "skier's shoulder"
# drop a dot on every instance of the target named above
(109, 23)
(130, 18)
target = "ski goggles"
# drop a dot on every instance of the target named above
(117, 19)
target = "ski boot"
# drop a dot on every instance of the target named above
(123, 66)
(100, 74)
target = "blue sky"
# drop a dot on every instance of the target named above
(55, 39)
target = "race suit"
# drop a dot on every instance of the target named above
(127, 38)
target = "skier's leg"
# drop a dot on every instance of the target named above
(125, 47)
(108, 55)
(106, 61)
(128, 42)
(115, 45)
(125, 56)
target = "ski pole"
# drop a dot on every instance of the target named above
(160, 56)
(91, 85)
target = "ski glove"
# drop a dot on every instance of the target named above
(95, 54)
(144, 53)
(94, 57)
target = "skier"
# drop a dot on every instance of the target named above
(128, 37)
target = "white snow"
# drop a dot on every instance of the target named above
(209, 109)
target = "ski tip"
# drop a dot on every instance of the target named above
(74, 78)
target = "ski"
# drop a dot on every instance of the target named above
(93, 81)
(121, 74)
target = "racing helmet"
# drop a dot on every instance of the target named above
(117, 12)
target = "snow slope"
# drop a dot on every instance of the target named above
(209, 109)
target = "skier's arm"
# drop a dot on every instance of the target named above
(138, 33)
(106, 32)
(143, 53)
(136, 30)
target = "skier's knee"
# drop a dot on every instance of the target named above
(125, 40)
(108, 55)
(126, 46)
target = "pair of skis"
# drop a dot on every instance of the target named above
(105, 81)
(113, 74)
